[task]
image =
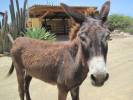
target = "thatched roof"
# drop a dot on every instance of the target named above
(40, 10)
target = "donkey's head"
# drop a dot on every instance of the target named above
(93, 35)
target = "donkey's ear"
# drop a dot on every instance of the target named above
(76, 16)
(105, 11)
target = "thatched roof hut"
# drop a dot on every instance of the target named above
(54, 18)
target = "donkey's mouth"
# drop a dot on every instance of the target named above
(96, 84)
(99, 81)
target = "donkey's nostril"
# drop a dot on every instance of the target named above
(93, 77)
(107, 76)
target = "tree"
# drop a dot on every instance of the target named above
(120, 22)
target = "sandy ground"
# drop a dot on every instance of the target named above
(118, 87)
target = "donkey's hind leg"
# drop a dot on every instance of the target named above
(20, 78)
(20, 72)
(27, 83)
(75, 93)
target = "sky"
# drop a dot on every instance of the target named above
(124, 7)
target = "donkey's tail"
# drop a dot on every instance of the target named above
(10, 38)
(12, 66)
(11, 70)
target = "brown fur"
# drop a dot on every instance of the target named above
(39, 59)
(62, 63)
(73, 31)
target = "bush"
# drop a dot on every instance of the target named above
(120, 22)
(40, 33)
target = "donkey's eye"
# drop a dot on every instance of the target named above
(107, 37)
(82, 38)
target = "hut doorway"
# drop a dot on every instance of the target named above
(57, 23)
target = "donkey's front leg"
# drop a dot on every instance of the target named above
(62, 93)
(75, 93)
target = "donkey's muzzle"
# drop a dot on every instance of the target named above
(99, 79)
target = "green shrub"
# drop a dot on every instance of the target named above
(40, 33)
(120, 22)
(130, 30)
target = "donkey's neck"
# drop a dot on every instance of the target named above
(79, 58)
(76, 51)
(74, 47)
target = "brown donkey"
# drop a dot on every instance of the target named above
(64, 63)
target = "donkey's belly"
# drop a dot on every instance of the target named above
(47, 75)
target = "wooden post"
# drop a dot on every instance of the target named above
(64, 25)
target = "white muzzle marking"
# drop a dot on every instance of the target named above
(97, 65)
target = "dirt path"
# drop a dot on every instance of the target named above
(119, 86)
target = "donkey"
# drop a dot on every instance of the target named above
(65, 64)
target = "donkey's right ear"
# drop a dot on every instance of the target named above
(76, 16)
(105, 11)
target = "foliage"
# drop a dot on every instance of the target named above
(40, 33)
(120, 22)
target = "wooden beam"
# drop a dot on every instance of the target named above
(45, 14)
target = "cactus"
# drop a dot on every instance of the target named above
(18, 19)
(3, 39)
(17, 4)
(12, 10)
(24, 14)
(2, 21)
(17, 26)
(0, 25)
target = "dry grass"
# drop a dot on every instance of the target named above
(119, 86)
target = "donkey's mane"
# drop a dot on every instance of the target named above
(75, 26)
(73, 31)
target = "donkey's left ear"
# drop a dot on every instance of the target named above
(76, 16)
(105, 11)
